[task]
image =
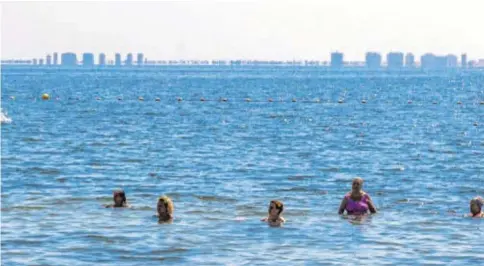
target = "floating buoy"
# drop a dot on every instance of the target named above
(202, 99)
(270, 100)
(248, 99)
(157, 99)
(12, 97)
(120, 99)
(409, 102)
(434, 102)
(341, 101)
(459, 102)
(363, 101)
(223, 99)
(45, 96)
(141, 98)
(482, 102)
(317, 100)
(98, 98)
(179, 99)
(475, 124)
(294, 100)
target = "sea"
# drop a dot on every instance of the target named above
(222, 142)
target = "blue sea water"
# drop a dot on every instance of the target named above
(417, 142)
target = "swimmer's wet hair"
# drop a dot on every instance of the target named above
(168, 203)
(477, 200)
(279, 205)
(121, 193)
(358, 179)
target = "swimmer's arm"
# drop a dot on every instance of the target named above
(342, 206)
(371, 206)
(282, 220)
(264, 219)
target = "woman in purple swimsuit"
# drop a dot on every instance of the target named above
(357, 202)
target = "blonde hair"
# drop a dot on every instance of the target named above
(358, 179)
(168, 203)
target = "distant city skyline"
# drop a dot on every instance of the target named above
(262, 30)
(373, 61)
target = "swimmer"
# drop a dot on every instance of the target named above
(357, 202)
(119, 198)
(275, 210)
(165, 209)
(476, 207)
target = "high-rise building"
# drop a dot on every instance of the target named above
(463, 60)
(69, 59)
(34, 61)
(48, 60)
(336, 60)
(41, 61)
(117, 59)
(373, 60)
(102, 59)
(409, 60)
(395, 60)
(432, 62)
(55, 59)
(427, 61)
(129, 59)
(139, 59)
(88, 59)
(451, 61)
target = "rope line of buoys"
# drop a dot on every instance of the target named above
(46, 96)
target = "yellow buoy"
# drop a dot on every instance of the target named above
(45, 96)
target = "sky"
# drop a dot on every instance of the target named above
(264, 30)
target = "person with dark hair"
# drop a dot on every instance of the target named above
(165, 209)
(476, 207)
(119, 198)
(275, 210)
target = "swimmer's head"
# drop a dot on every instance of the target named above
(165, 207)
(357, 184)
(275, 208)
(476, 205)
(119, 198)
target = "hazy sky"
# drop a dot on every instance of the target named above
(243, 29)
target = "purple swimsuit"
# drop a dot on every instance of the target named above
(356, 207)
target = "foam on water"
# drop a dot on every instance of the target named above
(4, 119)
